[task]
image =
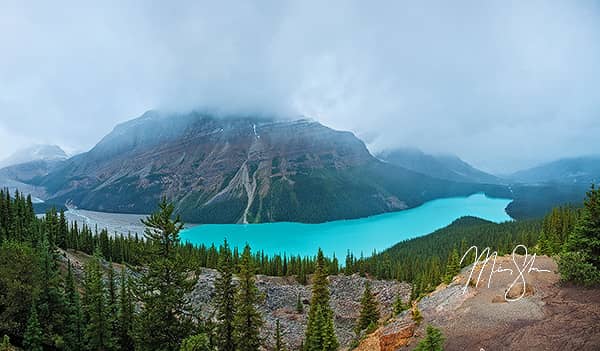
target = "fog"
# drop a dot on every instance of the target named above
(502, 84)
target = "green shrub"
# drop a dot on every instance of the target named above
(198, 342)
(433, 341)
(574, 267)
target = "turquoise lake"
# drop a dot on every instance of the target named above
(357, 235)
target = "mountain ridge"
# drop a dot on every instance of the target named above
(241, 170)
(443, 166)
(580, 169)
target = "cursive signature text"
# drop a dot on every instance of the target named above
(487, 255)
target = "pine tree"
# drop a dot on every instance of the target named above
(433, 341)
(320, 334)
(278, 340)
(299, 305)
(225, 300)
(399, 306)
(33, 338)
(199, 342)
(328, 338)
(112, 305)
(302, 279)
(19, 280)
(6, 346)
(73, 333)
(50, 299)
(453, 266)
(247, 321)
(98, 329)
(165, 318)
(416, 314)
(126, 313)
(586, 236)
(581, 261)
(369, 312)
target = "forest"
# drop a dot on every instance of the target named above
(144, 306)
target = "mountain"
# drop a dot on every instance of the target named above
(576, 170)
(20, 169)
(447, 167)
(35, 153)
(240, 169)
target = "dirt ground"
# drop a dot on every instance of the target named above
(550, 316)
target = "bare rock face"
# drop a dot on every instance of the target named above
(393, 335)
(280, 296)
(396, 334)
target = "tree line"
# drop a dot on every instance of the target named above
(147, 307)
(146, 304)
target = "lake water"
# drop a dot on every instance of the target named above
(357, 235)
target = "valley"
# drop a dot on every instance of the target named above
(299, 176)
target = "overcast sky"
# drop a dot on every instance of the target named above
(502, 84)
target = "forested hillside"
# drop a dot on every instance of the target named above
(429, 260)
(144, 306)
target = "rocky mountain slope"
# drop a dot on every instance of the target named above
(577, 170)
(280, 297)
(447, 167)
(240, 169)
(550, 316)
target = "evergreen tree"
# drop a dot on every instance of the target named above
(225, 300)
(302, 279)
(299, 305)
(247, 321)
(320, 334)
(164, 320)
(73, 332)
(453, 266)
(369, 312)
(126, 313)
(278, 340)
(328, 338)
(5, 345)
(399, 306)
(112, 305)
(199, 342)
(581, 261)
(19, 274)
(416, 314)
(433, 341)
(33, 338)
(50, 299)
(98, 329)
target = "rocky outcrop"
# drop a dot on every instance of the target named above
(280, 296)
(549, 316)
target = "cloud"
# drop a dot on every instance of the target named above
(503, 84)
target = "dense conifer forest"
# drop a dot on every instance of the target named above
(145, 306)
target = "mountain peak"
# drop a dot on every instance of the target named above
(38, 152)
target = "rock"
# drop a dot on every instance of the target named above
(280, 296)
(517, 291)
(395, 334)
